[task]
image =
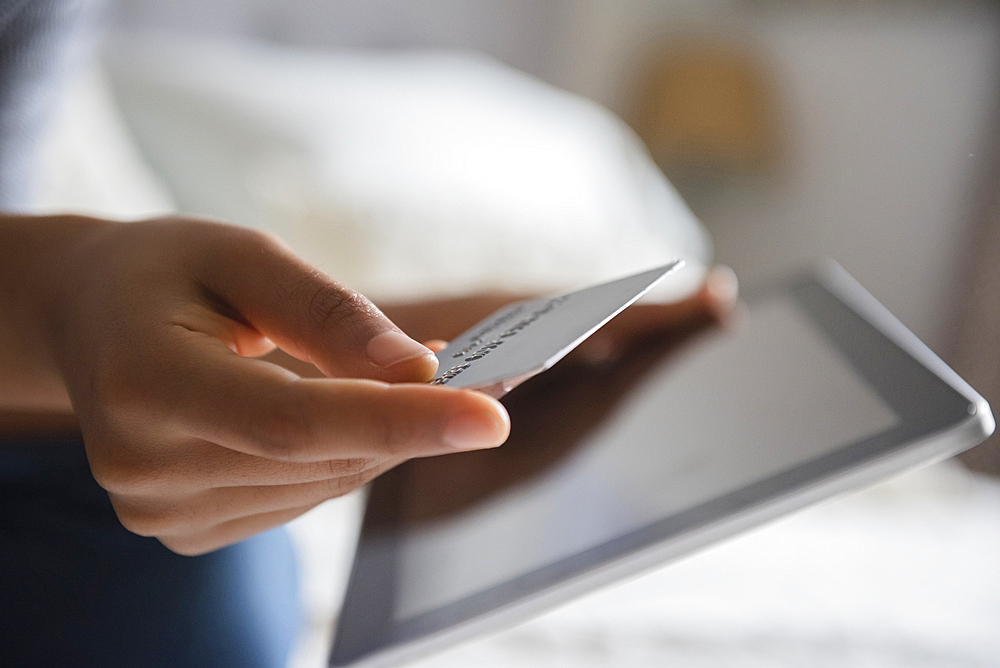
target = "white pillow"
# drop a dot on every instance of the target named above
(402, 174)
(89, 163)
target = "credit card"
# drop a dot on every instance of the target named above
(525, 338)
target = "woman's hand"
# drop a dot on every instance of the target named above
(153, 331)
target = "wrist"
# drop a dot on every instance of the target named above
(37, 256)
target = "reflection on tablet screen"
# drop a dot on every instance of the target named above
(594, 457)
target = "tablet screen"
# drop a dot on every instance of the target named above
(606, 461)
(703, 425)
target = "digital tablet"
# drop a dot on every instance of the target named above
(613, 469)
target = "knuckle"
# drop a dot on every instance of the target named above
(155, 520)
(269, 240)
(117, 475)
(331, 305)
(236, 242)
(257, 240)
(142, 523)
(122, 468)
(110, 474)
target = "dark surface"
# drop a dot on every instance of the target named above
(77, 589)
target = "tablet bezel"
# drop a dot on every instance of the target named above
(940, 415)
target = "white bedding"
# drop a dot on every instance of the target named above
(403, 174)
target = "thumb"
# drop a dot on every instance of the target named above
(309, 315)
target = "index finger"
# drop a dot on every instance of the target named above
(307, 313)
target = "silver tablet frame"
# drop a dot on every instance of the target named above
(927, 450)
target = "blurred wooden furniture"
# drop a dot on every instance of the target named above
(707, 106)
(975, 346)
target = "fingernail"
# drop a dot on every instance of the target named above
(392, 347)
(465, 432)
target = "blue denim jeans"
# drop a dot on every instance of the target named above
(77, 589)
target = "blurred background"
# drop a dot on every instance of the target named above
(854, 128)
(867, 131)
